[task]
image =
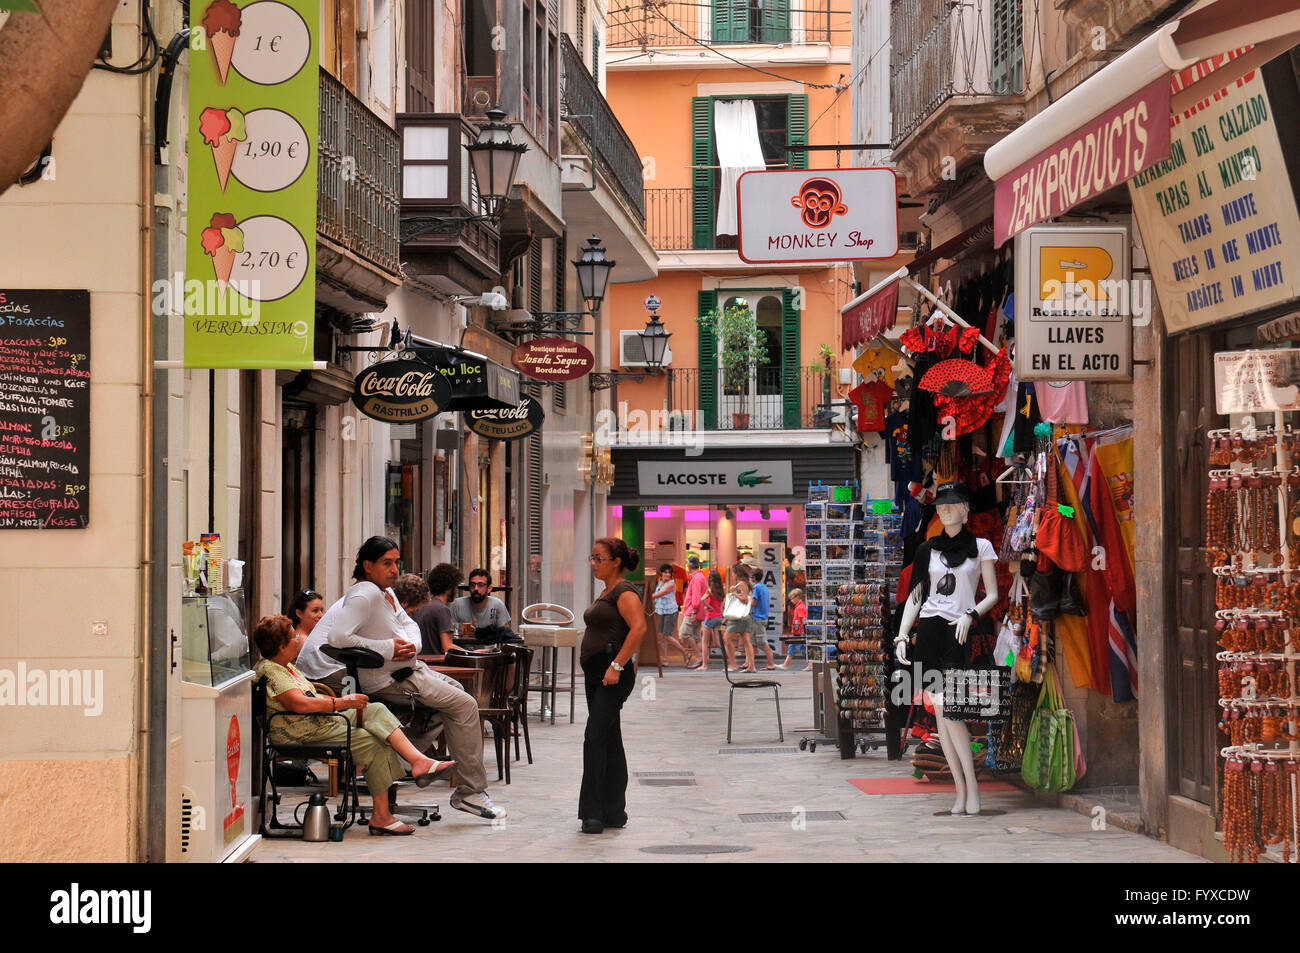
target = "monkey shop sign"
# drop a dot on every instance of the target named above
(400, 392)
(510, 423)
(818, 215)
(553, 359)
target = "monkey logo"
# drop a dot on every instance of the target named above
(820, 201)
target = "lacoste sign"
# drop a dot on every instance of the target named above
(722, 479)
(400, 392)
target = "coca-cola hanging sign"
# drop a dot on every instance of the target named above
(400, 392)
(553, 359)
(509, 423)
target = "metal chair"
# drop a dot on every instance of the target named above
(272, 751)
(771, 683)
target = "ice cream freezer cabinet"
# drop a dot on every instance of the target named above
(218, 822)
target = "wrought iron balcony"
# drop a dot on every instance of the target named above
(646, 24)
(613, 151)
(941, 50)
(771, 399)
(669, 223)
(357, 204)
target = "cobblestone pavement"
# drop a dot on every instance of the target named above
(677, 725)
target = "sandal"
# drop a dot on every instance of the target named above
(397, 829)
(424, 780)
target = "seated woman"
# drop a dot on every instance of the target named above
(376, 746)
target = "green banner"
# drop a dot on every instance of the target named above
(250, 289)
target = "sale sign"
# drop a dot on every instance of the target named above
(250, 258)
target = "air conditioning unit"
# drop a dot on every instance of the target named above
(631, 352)
(480, 94)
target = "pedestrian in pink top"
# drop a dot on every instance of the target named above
(710, 610)
(692, 616)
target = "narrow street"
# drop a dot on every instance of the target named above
(675, 731)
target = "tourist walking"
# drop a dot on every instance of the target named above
(665, 603)
(710, 612)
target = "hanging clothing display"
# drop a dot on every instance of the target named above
(1062, 402)
(880, 359)
(872, 400)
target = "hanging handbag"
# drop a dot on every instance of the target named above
(1058, 535)
(1049, 761)
(1045, 593)
(1071, 598)
(1007, 738)
(734, 609)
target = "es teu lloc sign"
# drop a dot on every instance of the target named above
(44, 409)
(507, 423)
(250, 266)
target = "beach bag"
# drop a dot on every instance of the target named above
(734, 609)
(1049, 760)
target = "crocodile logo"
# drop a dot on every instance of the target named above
(749, 479)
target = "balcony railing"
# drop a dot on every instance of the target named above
(614, 152)
(940, 50)
(761, 403)
(670, 226)
(642, 24)
(357, 203)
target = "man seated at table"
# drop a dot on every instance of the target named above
(438, 629)
(483, 610)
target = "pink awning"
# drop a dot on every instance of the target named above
(871, 313)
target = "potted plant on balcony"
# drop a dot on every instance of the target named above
(741, 348)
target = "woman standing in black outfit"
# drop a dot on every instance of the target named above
(615, 626)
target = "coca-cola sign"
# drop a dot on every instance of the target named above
(509, 423)
(400, 392)
(553, 359)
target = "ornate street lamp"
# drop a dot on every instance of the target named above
(593, 270)
(495, 158)
(654, 343)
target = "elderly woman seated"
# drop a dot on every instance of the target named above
(376, 746)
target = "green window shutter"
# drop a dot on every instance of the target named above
(702, 210)
(730, 21)
(790, 377)
(595, 54)
(796, 122)
(708, 364)
(775, 21)
(1007, 67)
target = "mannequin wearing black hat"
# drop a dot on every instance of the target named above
(945, 575)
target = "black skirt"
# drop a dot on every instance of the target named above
(936, 645)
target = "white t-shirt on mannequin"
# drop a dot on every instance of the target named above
(962, 598)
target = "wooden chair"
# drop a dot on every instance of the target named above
(494, 704)
(523, 662)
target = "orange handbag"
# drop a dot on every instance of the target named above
(1058, 535)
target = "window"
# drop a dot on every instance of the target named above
(419, 56)
(751, 21)
(539, 64)
(1006, 72)
(782, 119)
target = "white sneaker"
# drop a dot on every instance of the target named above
(479, 804)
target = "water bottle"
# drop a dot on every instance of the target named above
(316, 822)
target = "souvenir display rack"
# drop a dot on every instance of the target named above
(847, 543)
(1252, 537)
(864, 613)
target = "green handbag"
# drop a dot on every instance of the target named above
(1049, 761)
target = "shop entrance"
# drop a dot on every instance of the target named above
(298, 491)
(1193, 689)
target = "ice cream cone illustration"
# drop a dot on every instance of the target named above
(223, 241)
(221, 23)
(223, 130)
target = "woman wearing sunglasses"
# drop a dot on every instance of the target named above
(615, 627)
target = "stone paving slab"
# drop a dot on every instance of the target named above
(662, 736)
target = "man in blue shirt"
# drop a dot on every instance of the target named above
(760, 599)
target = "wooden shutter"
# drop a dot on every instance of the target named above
(708, 364)
(1007, 61)
(730, 21)
(580, 29)
(535, 476)
(796, 123)
(790, 376)
(560, 391)
(535, 275)
(595, 54)
(702, 208)
(775, 21)
(420, 69)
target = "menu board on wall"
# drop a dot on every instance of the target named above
(1218, 217)
(44, 409)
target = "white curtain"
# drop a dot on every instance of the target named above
(735, 130)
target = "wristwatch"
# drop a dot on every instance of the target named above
(615, 666)
(974, 616)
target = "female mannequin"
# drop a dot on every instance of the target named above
(945, 575)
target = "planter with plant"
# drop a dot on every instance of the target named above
(741, 349)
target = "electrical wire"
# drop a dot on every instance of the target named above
(789, 79)
(150, 41)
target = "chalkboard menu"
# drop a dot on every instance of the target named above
(44, 409)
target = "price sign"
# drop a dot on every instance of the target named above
(44, 409)
(842, 494)
(882, 507)
(275, 153)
